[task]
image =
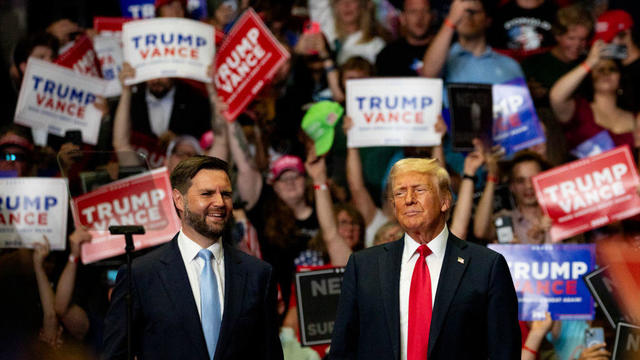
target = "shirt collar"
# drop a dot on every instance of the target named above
(437, 245)
(189, 249)
(458, 50)
(154, 100)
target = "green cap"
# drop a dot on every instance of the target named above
(319, 123)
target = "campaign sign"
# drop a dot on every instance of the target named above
(27, 215)
(515, 122)
(627, 345)
(394, 111)
(143, 199)
(81, 58)
(138, 9)
(317, 295)
(547, 278)
(150, 147)
(603, 289)
(589, 193)
(247, 60)
(110, 26)
(595, 145)
(109, 51)
(168, 47)
(59, 99)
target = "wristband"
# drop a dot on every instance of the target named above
(585, 66)
(320, 187)
(73, 259)
(472, 178)
(329, 69)
(449, 24)
(524, 347)
(493, 179)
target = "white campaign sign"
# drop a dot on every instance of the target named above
(168, 47)
(109, 51)
(394, 111)
(27, 215)
(59, 99)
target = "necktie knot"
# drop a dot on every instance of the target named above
(424, 250)
(206, 255)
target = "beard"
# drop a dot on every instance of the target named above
(200, 225)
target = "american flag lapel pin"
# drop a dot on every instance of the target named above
(460, 260)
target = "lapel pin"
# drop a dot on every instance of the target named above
(460, 260)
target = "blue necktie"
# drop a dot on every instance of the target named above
(209, 303)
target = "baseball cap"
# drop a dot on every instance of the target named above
(319, 123)
(610, 23)
(160, 3)
(284, 163)
(10, 139)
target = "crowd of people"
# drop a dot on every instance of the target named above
(293, 208)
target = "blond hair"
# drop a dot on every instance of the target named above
(366, 22)
(429, 167)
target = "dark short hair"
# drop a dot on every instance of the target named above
(188, 168)
(524, 156)
(25, 46)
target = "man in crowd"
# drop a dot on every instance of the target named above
(528, 223)
(429, 294)
(197, 297)
(470, 59)
(403, 57)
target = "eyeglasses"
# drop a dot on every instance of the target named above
(13, 157)
(603, 70)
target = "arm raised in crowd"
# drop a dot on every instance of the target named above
(250, 180)
(561, 94)
(436, 55)
(537, 332)
(49, 332)
(220, 147)
(482, 225)
(73, 317)
(337, 247)
(464, 204)
(122, 120)
(359, 193)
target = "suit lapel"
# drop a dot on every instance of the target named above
(234, 280)
(176, 283)
(454, 264)
(389, 271)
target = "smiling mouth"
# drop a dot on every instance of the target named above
(217, 216)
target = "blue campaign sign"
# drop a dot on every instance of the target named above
(138, 9)
(548, 278)
(595, 145)
(515, 122)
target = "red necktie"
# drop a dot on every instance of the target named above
(419, 308)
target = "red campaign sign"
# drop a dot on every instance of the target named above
(150, 147)
(137, 200)
(589, 193)
(246, 62)
(109, 25)
(81, 57)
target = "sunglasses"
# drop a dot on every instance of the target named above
(13, 157)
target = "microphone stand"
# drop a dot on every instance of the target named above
(128, 231)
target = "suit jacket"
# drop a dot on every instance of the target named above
(475, 314)
(166, 324)
(190, 115)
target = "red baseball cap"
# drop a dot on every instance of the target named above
(159, 3)
(284, 163)
(610, 23)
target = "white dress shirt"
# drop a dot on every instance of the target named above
(159, 111)
(189, 251)
(410, 255)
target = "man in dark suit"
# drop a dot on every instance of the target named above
(196, 297)
(428, 295)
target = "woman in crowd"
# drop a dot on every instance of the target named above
(349, 26)
(582, 117)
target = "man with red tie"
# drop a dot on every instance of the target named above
(428, 295)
